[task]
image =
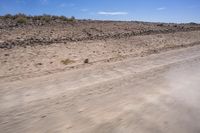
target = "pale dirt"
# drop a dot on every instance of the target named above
(141, 78)
(18, 62)
(153, 94)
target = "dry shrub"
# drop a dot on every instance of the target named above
(21, 20)
(67, 61)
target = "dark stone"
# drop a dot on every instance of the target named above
(39, 64)
(86, 61)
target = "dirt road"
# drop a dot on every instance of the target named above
(155, 94)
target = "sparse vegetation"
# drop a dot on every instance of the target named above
(72, 19)
(67, 61)
(8, 16)
(46, 18)
(160, 24)
(63, 18)
(49, 29)
(21, 20)
(20, 15)
(192, 23)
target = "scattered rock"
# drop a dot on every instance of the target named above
(39, 64)
(55, 30)
(6, 54)
(86, 61)
(43, 116)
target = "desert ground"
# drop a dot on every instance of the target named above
(61, 75)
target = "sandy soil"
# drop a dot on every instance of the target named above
(99, 76)
(22, 62)
(39, 48)
(157, 93)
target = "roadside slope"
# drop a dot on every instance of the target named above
(19, 62)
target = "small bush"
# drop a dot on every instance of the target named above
(19, 15)
(67, 61)
(63, 18)
(8, 16)
(192, 23)
(72, 19)
(160, 25)
(21, 20)
(46, 18)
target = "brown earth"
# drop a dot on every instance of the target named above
(31, 34)
(99, 76)
(34, 49)
(153, 94)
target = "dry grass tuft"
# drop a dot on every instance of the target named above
(67, 61)
(21, 20)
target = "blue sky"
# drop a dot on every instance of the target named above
(141, 10)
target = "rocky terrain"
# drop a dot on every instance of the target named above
(62, 75)
(46, 44)
(21, 30)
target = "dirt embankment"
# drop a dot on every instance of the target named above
(57, 57)
(45, 30)
(25, 45)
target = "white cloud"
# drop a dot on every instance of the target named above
(112, 13)
(161, 8)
